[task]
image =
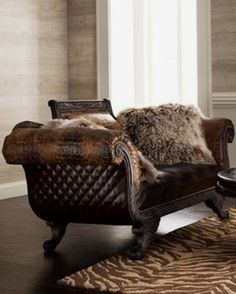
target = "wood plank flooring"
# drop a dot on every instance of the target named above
(25, 270)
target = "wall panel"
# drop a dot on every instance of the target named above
(33, 65)
(223, 45)
(82, 49)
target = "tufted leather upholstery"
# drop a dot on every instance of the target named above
(75, 193)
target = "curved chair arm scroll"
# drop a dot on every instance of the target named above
(218, 133)
(124, 151)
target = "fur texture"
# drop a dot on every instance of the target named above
(167, 134)
(148, 172)
(163, 135)
(84, 121)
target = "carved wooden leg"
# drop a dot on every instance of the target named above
(58, 231)
(216, 204)
(144, 235)
(137, 229)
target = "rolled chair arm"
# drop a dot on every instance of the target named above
(27, 124)
(29, 144)
(218, 133)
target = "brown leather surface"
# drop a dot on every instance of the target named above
(74, 193)
(218, 133)
(29, 144)
(95, 176)
(179, 180)
(61, 164)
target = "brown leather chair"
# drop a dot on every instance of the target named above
(79, 175)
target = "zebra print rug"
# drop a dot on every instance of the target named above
(199, 258)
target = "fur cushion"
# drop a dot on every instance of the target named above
(167, 134)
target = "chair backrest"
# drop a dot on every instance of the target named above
(63, 109)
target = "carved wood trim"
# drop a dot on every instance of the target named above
(60, 108)
(123, 151)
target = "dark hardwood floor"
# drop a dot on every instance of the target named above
(25, 270)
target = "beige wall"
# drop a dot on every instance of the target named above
(36, 64)
(33, 65)
(224, 45)
(82, 49)
(224, 62)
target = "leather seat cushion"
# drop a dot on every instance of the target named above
(179, 180)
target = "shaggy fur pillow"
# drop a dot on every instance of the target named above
(167, 134)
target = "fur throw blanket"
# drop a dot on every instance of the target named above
(84, 121)
(163, 135)
(148, 173)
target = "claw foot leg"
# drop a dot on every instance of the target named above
(216, 204)
(144, 235)
(58, 231)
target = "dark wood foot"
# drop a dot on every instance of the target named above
(58, 231)
(137, 229)
(216, 204)
(144, 235)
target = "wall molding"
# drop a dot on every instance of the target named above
(14, 189)
(224, 99)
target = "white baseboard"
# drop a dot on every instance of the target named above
(14, 189)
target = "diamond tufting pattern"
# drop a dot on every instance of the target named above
(80, 193)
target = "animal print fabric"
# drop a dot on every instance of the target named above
(197, 259)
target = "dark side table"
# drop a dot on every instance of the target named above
(226, 182)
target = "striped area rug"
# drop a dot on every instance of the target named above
(199, 258)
